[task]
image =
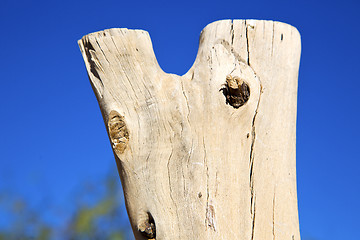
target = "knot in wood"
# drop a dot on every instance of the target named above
(147, 227)
(118, 131)
(236, 91)
(149, 231)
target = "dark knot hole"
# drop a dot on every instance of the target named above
(148, 228)
(236, 91)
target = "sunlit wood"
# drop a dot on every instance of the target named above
(210, 154)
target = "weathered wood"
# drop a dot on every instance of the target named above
(210, 154)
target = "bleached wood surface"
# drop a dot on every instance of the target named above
(193, 164)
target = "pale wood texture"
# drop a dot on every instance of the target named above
(192, 165)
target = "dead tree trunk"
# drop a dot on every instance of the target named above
(210, 154)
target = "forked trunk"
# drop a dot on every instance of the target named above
(210, 154)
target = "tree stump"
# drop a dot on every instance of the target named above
(210, 154)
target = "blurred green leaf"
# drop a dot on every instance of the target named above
(117, 236)
(44, 233)
(96, 218)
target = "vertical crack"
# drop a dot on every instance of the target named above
(273, 217)
(168, 167)
(102, 51)
(187, 102)
(252, 194)
(247, 43)
(232, 33)
(210, 211)
(252, 157)
(253, 223)
(253, 134)
(206, 164)
(253, 138)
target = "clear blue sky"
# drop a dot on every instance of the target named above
(52, 134)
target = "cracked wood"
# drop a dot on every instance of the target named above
(195, 162)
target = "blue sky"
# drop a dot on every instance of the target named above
(52, 134)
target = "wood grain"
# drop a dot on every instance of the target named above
(194, 166)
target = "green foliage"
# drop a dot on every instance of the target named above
(98, 218)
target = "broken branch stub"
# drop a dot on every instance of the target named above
(210, 154)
